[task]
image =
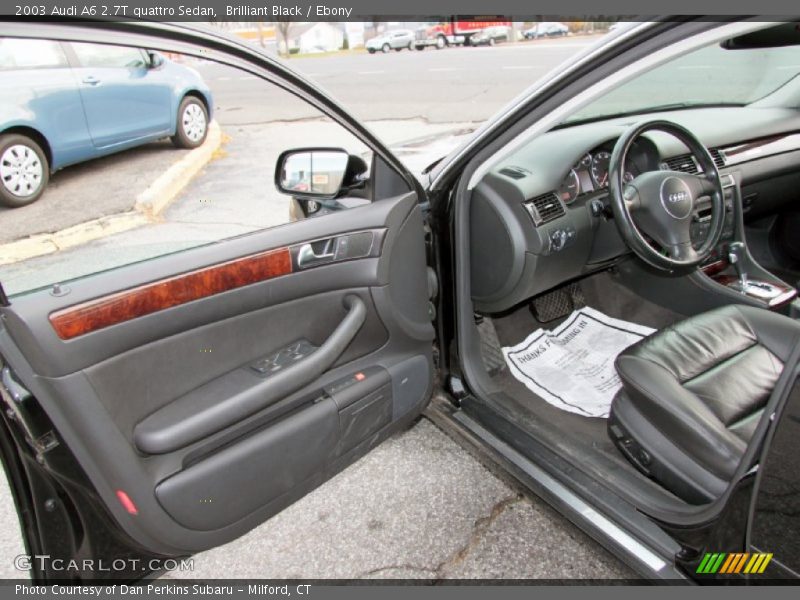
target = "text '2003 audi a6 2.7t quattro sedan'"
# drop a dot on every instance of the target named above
(596, 291)
(62, 103)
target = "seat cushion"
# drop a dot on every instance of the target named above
(693, 394)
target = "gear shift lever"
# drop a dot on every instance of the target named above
(771, 293)
(736, 253)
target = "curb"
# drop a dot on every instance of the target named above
(47, 243)
(169, 184)
(147, 207)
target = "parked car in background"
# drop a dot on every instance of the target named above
(546, 29)
(491, 36)
(397, 39)
(63, 103)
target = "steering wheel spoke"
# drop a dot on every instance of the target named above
(702, 184)
(683, 252)
(631, 198)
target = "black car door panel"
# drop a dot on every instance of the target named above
(197, 415)
(29, 321)
(236, 480)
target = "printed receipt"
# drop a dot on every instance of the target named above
(572, 367)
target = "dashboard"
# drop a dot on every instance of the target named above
(541, 216)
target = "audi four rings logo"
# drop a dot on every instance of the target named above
(677, 197)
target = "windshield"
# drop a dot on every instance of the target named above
(711, 76)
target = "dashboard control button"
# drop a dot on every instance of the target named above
(558, 240)
(281, 358)
(562, 237)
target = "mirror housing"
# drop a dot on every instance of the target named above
(156, 59)
(318, 173)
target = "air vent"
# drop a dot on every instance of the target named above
(718, 156)
(688, 164)
(515, 172)
(545, 208)
(684, 163)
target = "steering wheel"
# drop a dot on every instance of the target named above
(660, 204)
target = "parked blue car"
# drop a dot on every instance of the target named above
(63, 103)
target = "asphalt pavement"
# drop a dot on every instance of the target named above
(440, 86)
(98, 188)
(418, 506)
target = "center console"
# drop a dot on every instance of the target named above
(731, 265)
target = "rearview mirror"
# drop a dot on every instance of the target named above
(311, 172)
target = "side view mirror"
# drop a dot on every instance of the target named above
(156, 59)
(318, 173)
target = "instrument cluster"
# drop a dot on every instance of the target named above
(590, 173)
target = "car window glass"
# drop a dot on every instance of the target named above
(709, 76)
(153, 198)
(97, 55)
(30, 54)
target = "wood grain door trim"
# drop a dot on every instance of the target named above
(149, 298)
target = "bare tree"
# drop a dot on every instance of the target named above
(283, 28)
(260, 26)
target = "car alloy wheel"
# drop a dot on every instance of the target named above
(193, 122)
(21, 171)
(385, 48)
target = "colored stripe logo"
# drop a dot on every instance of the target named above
(730, 563)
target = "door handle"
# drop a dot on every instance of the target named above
(307, 257)
(91, 80)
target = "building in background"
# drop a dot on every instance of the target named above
(355, 34)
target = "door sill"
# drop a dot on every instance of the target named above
(652, 560)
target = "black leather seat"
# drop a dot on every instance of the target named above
(693, 395)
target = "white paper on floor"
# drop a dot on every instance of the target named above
(572, 366)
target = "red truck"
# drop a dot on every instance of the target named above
(451, 32)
